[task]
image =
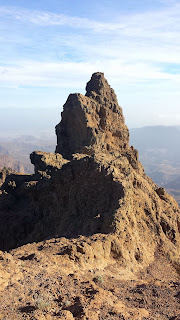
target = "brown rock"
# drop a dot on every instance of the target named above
(92, 122)
(102, 189)
(46, 163)
(110, 237)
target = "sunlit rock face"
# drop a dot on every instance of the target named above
(92, 186)
(92, 122)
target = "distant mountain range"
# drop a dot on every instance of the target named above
(158, 138)
(159, 152)
(14, 152)
(158, 146)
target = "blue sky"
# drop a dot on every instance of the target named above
(49, 49)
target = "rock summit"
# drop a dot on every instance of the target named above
(93, 122)
(92, 186)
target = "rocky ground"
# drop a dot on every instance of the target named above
(46, 281)
(88, 236)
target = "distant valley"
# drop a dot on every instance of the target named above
(15, 151)
(158, 146)
(159, 152)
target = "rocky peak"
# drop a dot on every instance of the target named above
(93, 122)
(99, 89)
(101, 192)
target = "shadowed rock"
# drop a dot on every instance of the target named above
(93, 184)
(45, 163)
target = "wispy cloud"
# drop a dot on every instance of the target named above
(135, 50)
(149, 36)
(73, 74)
(155, 23)
(51, 19)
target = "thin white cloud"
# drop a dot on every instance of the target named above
(67, 74)
(135, 52)
(149, 36)
(154, 23)
(51, 19)
(156, 29)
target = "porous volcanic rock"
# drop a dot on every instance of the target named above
(93, 122)
(92, 185)
(46, 162)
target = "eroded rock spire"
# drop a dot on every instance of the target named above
(101, 192)
(92, 122)
(99, 89)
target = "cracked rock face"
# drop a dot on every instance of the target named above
(92, 122)
(92, 185)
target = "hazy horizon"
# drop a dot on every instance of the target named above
(37, 122)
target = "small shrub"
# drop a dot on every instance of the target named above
(67, 303)
(43, 302)
(98, 279)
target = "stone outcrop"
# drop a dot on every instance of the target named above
(93, 184)
(92, 122)
(4, 173)
(46, 163)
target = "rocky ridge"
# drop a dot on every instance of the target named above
(94, 192)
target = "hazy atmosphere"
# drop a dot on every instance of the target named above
(50, 49)
(89, 160)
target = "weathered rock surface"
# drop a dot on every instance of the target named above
(5, 173)
(84, 279)
(46, 163)
(110, 236)
(93, 122)
(93, 184)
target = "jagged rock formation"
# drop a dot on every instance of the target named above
(4, 173)
(110, 236)
(93, 184)
(46, 163)
(92, 122)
